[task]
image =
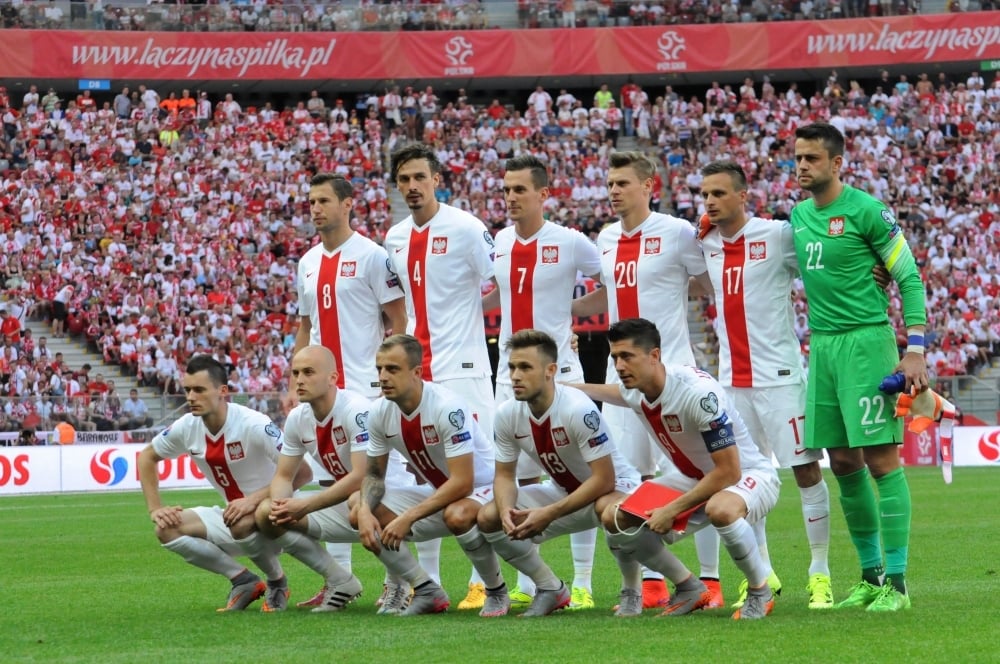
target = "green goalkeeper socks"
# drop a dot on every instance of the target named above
(857, 499)
(895, 511)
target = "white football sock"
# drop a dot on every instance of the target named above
(760, 534)
(341, 552)
(482, 555)
(582, 545)
(706, 543)
(816, 515)
(742, 547)
(263, 551)
(524, 557)
(312, 554)
(206, 555)
(429, 555)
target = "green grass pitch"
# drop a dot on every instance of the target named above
(85, 581)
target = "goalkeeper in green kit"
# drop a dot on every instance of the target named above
(840, 234)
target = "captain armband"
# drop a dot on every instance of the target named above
(719, 435)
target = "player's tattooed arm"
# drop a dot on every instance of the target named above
(373, 486)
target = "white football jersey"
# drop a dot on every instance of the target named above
(646, 273)
(442, 265)
(238, 460)
(342, 293)
(569, 436)
(693, 402)
(537, 278)
(752, 276)
(332, 440)
(440, 428)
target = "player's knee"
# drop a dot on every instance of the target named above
(609, 516)
(168, 534)
(243, 528)
(488, 518)
(724, 508)
(807, 475)
(461, 516)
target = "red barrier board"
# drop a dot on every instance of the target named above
(154, 56)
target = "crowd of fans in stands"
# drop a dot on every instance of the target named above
(272, 15)
(154, 227)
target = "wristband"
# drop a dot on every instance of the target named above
(915, 344)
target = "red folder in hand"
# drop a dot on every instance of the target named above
(650, 496)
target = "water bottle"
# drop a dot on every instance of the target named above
(893, 383)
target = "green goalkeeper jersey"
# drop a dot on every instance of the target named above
(837, 246)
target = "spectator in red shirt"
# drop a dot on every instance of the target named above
(10, 327)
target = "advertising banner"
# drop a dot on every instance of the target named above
(152, 56)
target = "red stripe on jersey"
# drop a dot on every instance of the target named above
(215, 457)
(328, 451)
(684, 464)
(626, 276)
(523, 259)
(416, 264)
(329, 320)
(541, 435)
(416, 450)
(734, 308)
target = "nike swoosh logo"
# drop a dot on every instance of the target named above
(500, 255)
(814, 519)
(799, 451)
(194, 454)
(309, 274)
(308, 442)
(522, 437)
(885, 516)
(872, 432)
(399, 250)
(391, 435)
(715, 253)
(799, 230)
(606, 252)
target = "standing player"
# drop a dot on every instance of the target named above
(428, 424)
(689, 415)
(345, 287)
(329, 425)
(752, 265)
(236, 448)
(443, 255)
(347, 291)
(537, 263)
(559, 428)
(840, 234)
(647, 260)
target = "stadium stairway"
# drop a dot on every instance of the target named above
(75, 355)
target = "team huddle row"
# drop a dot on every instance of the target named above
(419, 447)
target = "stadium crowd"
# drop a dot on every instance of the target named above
(157, 226)
(366, 15)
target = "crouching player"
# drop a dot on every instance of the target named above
(561, 430)
(329, 425)
(237, 449)
(713, 460)
(429, 426)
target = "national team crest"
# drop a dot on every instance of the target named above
(235, 451)
(758, 251)
(652, 246)
(673, 423)
(550, 254)
(836, 226)
(430, 436)
(439, 245)
(560, 437)
(349, 269)
(339, 436)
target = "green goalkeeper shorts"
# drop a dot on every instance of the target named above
(844, 407)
